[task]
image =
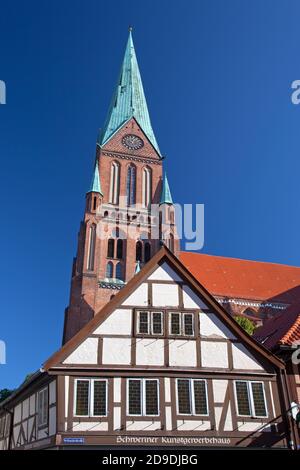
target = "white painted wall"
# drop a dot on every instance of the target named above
(116, 351)
(190, 299)
(90, 426)
(243, 359)
(165, 295)
(86, 353)
(228, 420)
(150, 352)
(117, 390)
(32, 404)
(168, 418)
(164, 273)
(52, 392)
(189, 425)
(182, 353)
(167, 389)
(118, 322)
(211, 325)
(117, 418)
(138, 297)
(219, 390)
(214, 354)
(52, 420)
(143, 425)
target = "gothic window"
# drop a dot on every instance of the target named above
(191, 397)
(171, 242)
(131, 185)
(109, 270)
(142, 397)
(250, 398)
(114, 183)
(90, 397)
(91, 252)
(138, 251)
(120, 249)
(147, 252)
(110, 248)
(119, 271)
(147, 187)
(94, 203)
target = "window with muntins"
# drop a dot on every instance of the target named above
(250, 398)
(191, 397)
(43, 407)
(181, 324)
(142, 397)
(90, 397)
(150, 323)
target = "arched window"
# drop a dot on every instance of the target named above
(94, 203)
(138, 251)
(110, 248)
(120, 249)
(119, 271)
(147, 187)
(131, 185)
(91, 252)
(171, 242)
(147, 252)
(114, 183)
(109, 270)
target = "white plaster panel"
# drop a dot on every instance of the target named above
(118, 323)
(30, 426)
(143, 425)
(86, 353)
(188, 425)
(24, 427)
(182, 353)
(214, 354)
(117, 418)
(67, 380)
(219, 390)
(228, 420)
(249, 426)
(52, 392)
(167, 389)
(164, 273)
(211, 325)
(18, 413)
(150, 352)
(90, 426)
(243, 359)
(52, 420)
(218, 414)
(117, 390)
(190, 299)
(116, 351)
(25, 409)
(165, 295)
(16, 432)
(42, 433)
(139, 297)
(168, 418)
(32, 404)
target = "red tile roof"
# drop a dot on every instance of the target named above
(283, 329)
(255, 280)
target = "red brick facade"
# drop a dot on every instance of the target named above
(90, 287)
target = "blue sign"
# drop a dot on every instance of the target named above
(73, 440)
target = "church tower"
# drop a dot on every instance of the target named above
(129, 211)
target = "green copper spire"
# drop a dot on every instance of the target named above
(95, 184)
(128, 100)
(166, 197)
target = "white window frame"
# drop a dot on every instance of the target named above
(181, 323)
(150, 322)
(143, 397)
(250, 398)
(90, 397)
(192, 397)
(45, 392)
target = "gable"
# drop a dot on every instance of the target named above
(112, 339)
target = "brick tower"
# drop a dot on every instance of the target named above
(129, 210)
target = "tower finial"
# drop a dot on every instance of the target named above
(130, 29)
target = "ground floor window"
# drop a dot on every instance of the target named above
(90, 397)
(250, 398)
(142, 397)
(191, 397)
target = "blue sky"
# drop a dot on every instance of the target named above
(217, 77)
